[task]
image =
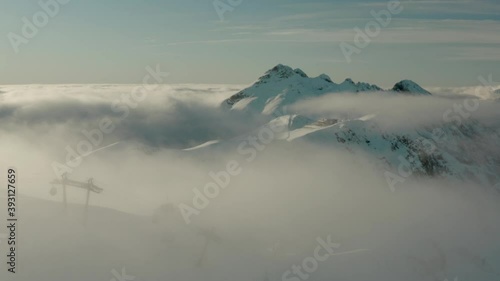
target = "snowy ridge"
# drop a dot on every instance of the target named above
(457, 154)
(283, 85)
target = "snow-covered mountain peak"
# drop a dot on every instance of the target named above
(280, 72)
(280, 86)
(410, 87)
(325, 77)
(348, 81)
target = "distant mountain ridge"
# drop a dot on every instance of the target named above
(283, 85)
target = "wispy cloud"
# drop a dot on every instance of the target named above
(474, 54)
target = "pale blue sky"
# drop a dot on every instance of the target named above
(436, 43)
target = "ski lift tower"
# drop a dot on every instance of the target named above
(89, 186)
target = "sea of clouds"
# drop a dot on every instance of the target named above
(270, 215)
